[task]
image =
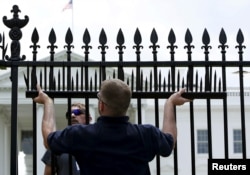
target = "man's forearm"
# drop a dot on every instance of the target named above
(169, 123)
(48, 122)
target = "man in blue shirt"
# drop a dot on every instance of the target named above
(112, 145)
(77, 115)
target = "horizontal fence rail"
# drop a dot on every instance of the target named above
(154, 79)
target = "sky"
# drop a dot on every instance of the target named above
(128, 15)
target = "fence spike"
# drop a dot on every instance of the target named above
(164, 84)
(28, 77)
(91, 84)
(210, 79)
(187, 79)
(35, 39)
(69, 40)
(171, 40)
(201, 85)
(182, 84)
(154, 37)
(205, 37)
(128, 82)
(137, 41)
(188, 40)
(81, 78)
(215, 81)
(41, 78)
(178, 80)
(26, 80)
(223, 46)
(219, 88)
(3, 47)
(54, 84)
(63, 78)
(86, 37)
(222, 37)
(171, 37)
(103, 37)
(113, 73)
(52, 41)
(159, 83)
(95, 80)
(169, 80)
(120, 41)
(51, 74)
(120, 73)
(206, 41)
(77, 80)
(137, 37)
(240, 37)
(196, 81)
(188, 37)
(33, 79)
(206, 80)
(132, 80)
(151, 81)
(86, 40)
(120, 37)
(52, 37)
(69, 37)
(72, 84)
(240, 40)
(59, 80)
(141, 83)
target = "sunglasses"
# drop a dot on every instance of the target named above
(75, 112)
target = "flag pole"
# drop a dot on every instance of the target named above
(69, 5)
(72, 17)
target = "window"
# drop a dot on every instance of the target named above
(27, 142)
(202, 141)
(237, 141)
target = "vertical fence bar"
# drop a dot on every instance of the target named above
(14, 102)
(188, 40)
(157, 86)
(69, 40)
(172, 47)
(223, 46)
(240, 40)
(208, 77)
(86, 41)
(120, 42)
(103, 47)
(138, 47)
(34, 39)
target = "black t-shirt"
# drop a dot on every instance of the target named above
(61, 163)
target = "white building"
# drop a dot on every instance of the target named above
(183, 121)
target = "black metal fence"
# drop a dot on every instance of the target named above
(144, 77)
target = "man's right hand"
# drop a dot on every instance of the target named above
(42, 97)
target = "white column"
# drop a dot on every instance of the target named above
(5, 143)
(40, 147)
(7, 136)
(2, 151)
(92, 113)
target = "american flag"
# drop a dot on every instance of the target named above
(69, 5)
